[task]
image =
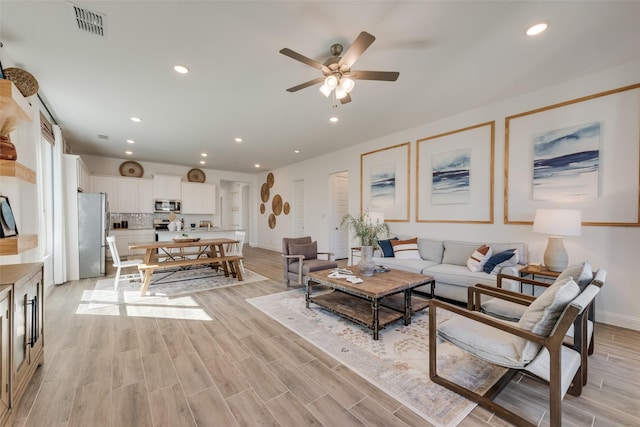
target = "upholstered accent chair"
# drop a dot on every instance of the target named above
(300, 257)
(533, 345)
(509, 305)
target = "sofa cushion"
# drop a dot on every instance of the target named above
(486, 342)
(458, 253)
(312, 265)
(479, 258)
(521, 247)
(309, 250)
(582, 273)
(503, 309)
(458, 275)
(431, 250)
(543, 313)
(386, 247)
(506, 258)
(406, 249)
(418, 266)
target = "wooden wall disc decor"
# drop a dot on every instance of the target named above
(270, 180)
(286, 208)
(131, 168)
(262, 208)
(272, 221)
(196, 175)
(276, 204)
(264, 192)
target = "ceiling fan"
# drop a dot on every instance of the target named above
(338, 77)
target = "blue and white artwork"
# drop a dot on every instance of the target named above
(450, 177)
(383, 186)
(566, 163)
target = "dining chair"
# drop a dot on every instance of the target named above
(119, 264)
(236, 248)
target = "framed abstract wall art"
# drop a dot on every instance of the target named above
(384, 182)
(454, 176)
(580, 154)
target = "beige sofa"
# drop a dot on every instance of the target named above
(446, 261)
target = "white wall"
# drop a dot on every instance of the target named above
(613, 248)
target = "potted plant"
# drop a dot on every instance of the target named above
(367, 227)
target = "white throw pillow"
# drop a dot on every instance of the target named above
(406, 249)
(479, 258)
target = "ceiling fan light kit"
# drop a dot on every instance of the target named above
(338, 78)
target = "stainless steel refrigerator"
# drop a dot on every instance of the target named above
(93, 229)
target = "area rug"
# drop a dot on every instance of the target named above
(397, 363)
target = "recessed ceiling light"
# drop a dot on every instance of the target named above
(136, 119)
(181, 69)
(202, 162)
(204, 154)
(128, 152)
(130, 141)
(296, 151)
(334, 119)
(536, 29)
(257, 165)
(238, 140)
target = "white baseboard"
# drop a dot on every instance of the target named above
(618, 320)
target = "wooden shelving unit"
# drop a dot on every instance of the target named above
(17, 104)
(13, 169)
(14, 104)
(18, 244)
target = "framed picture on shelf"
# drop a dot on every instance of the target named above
(8, 226)
(454, 176)
(384, 182)
(581, 154)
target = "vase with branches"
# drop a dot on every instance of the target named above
(8, 124)
(367, 227)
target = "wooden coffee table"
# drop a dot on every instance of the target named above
(378, 301)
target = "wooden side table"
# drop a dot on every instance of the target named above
(355, 252)
(542, 272)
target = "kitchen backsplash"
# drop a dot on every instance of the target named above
(141, 220)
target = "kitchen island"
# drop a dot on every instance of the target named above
(203, 233)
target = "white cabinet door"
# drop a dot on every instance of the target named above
(145, 196)
(167, 187)
(109, 185)
(198, 198)
(127, 195)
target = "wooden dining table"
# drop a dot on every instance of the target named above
(184, 254)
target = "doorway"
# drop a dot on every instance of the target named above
(338, 236)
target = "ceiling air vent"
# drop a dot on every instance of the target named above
(89, 20)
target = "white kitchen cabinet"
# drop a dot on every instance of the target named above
(167, 187)
(109, 185)
(135, 195)
(198, 198)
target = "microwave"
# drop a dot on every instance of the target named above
(166, 206)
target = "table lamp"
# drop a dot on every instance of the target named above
(557, 222)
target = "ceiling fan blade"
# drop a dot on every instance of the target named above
(346, 99)
(361, 43)
(306, 84)
(390, 76)
(299, 57)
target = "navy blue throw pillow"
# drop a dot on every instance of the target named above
(387, 249)
(497, 259)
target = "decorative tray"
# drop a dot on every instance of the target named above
(181, 239)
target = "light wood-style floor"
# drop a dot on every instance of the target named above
(241, 368)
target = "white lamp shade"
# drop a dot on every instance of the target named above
(331, 82)
(326, 90)
(347, 84)
(340, 92)
(558, 222)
